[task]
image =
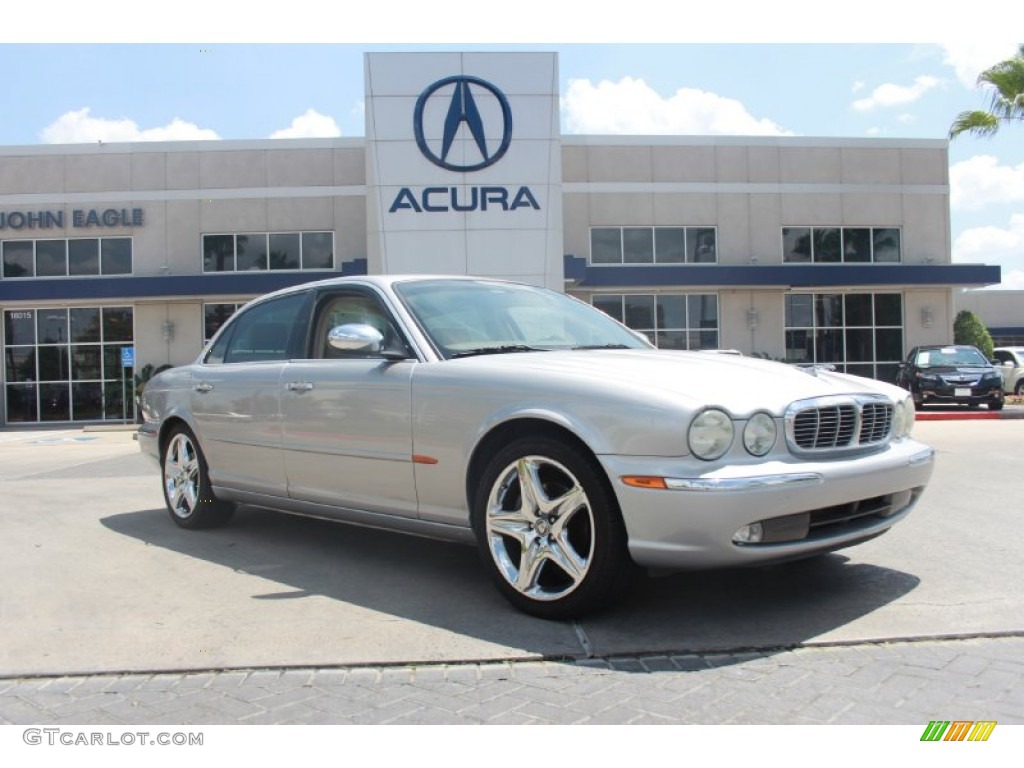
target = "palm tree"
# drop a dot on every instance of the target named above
(1007, 103)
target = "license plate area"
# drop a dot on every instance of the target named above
(962, 392)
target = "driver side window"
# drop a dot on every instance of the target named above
(354, 309)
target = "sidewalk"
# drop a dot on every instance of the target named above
(891, 683)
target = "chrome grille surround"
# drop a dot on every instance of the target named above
(838, 424)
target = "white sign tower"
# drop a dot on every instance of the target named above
(463, 165)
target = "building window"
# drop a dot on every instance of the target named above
(859, 333)
(851, 245)
(653, 245)
(268, 251)
(670, 320)
(65, 364)
(73, 257)
(214, 316)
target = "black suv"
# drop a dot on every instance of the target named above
(951, 374)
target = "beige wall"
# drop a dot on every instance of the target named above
(750, 189)
(187, 189)
(994, 308)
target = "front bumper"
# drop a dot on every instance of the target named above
(964, 394)
(806, 506)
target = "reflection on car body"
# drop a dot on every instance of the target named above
(567, 448)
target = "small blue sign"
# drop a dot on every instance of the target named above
(127, 357)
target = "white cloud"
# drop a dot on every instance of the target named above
(890, 95)
(630, 106)
(993, 245)
(310, 125)
(969, 59)
(77, 126)
(858, 85)
(980, 181)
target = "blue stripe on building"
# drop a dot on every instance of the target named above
(778, 275)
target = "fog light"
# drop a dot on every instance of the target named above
(749, 534)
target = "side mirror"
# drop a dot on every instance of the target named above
(356, 339)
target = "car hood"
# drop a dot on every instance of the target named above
(739, 384)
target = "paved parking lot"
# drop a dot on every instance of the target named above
(113, 614)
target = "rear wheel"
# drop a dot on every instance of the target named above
(186, 483)
(550, 530)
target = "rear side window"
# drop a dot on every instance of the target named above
(271, 330)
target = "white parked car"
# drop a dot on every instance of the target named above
(567, 448)
(1011, 365)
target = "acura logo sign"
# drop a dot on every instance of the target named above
(491, 136)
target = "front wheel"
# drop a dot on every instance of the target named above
(550, 531)
(186, 482)
(996, 404)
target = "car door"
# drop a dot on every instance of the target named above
(1009, 367)
(235, 399)
(347, 431)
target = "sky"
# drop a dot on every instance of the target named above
(100, 72)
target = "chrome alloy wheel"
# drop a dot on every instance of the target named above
(181, 476)
(540, 528)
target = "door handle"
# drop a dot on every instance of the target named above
(203, 387)
(298, 386)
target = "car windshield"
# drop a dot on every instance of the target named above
(927, 358)
(470, 317)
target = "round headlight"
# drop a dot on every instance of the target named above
(710, 434)
(759, 434)
(903, 418)
(899, 421)
(909, 416)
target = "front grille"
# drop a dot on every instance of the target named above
(875, 422)
(838, 423)
(823, 428)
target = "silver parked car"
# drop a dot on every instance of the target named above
(1011, 366)
(564, 445)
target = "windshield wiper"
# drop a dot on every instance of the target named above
(602, 346)
(502, 350)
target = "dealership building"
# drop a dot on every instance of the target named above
(119, 256)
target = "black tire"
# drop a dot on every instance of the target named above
(563, 553)
(186, 483)
(996, 404)
(1018, 388)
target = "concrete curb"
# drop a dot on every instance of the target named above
(1008, 412)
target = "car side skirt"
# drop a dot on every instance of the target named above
(383, 522)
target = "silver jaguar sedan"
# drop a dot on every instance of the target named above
(567, 447)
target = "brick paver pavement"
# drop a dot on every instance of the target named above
(898, 682)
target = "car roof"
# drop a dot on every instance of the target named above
(381, 281)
